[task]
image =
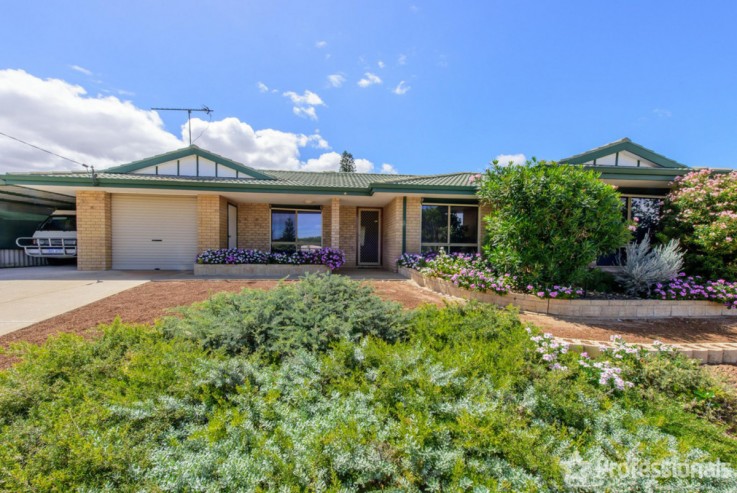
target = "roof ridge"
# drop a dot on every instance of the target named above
(341, 173)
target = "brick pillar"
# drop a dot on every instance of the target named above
(212, 222)
(392, 233)
(335, 240)
(414, 224)
(94, 231)
(347, 231)
(254, 226)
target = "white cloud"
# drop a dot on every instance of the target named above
(662, 113)
(305, 112)
(105, 131)
(309, 98)
(381, 64)
(401, 88)
(321, 44)
(64, 119)
(336, 80)
(330, 161)
(402, 60)
(123, 92)
(304, 104)
(262, 87)
(369, 79)
(505, 159)
(81, 70)
(364, 166)
(388, 169)
(266, 148)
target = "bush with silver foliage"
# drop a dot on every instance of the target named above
(642, 266)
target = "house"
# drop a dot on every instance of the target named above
(160, 212)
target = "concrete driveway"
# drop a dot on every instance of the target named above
(32, 294)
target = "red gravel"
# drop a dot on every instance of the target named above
(150, 301)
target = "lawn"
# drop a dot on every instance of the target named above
(322, 386)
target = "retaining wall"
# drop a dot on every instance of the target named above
(261, 270)
(579, 307)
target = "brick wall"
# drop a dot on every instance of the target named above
(348, 219)
(414, 224)
(212, 222)
(94, 231)
(392, 233)
(326, 225)
(254, 226)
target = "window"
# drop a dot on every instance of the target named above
(294, 229)
(646, 211)
(455, 228)
(59, 223)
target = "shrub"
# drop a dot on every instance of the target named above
(701, 211)
(311, 314)
(644, 266)
(548, 222)
(331, 257)
(463, 402)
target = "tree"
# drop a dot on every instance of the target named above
(550, 221)
(347, 163)
(701, 212)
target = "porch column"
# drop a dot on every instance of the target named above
(212, 222)
(94, 230)
(335, 223)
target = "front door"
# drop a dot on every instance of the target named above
(232, 226)
(369, 236)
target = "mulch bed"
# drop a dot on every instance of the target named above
(150, 301)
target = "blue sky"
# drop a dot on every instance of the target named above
(460, 82)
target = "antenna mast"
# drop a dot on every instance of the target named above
(189, 115)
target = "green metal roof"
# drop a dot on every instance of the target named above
(328, 183)
(624, 144)
(278, 182)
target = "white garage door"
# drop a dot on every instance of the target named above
(152, 232)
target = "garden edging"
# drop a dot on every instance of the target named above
(270, 270)
(631, 309)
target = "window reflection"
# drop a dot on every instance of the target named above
(293, 230)
(453, 228)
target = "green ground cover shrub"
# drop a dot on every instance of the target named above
(462, 400)
(313, 314)
(548, 222)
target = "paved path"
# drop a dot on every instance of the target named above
(25, 302)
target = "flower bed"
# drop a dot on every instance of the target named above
(472, 271)
(241, 262)
(330, 257)
(696, 288)
(470, 277)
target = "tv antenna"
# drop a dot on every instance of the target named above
(189, 115)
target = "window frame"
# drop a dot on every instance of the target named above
(448, 245)
(295, 210)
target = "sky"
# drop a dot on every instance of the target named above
(405, 86)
